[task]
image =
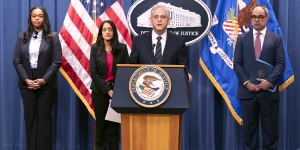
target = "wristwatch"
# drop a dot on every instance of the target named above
(245, 83)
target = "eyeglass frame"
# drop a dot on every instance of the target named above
(260, 17)
(162, 17)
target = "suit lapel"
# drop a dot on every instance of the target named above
(26, 46)
(149, 45)
(266, 44)
(43, 44)
(251, 50)
(169, 43)
(101, 59)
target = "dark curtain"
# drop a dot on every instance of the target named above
(207, 125)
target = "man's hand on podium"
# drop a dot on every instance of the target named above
(190, 77)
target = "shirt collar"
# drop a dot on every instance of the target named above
(263, 32)
(39, 35)
(154, 35)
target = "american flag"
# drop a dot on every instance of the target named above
(150, 91)
(229, 28)
(78, 32)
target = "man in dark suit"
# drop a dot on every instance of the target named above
(159, 46)
(256, 100)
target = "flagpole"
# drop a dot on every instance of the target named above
(94, 18)
(94, 41)
(236, 24)
(237, 8)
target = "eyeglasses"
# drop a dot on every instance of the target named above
(260, 17)
(162, 17)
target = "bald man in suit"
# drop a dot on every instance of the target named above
(256, 100)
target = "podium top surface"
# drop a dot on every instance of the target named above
(140, 65)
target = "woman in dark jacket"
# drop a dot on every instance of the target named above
(105, 54)
(37, 58)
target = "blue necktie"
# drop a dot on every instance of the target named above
(158, 54)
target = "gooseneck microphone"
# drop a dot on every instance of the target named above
(153, 45)
(36, 33)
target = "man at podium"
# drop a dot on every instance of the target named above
(159, 46)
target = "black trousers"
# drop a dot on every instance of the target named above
(268, 111)
(38, 106)
(107, 132)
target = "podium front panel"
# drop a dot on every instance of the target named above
(177, 103)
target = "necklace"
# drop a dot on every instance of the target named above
(108, 51)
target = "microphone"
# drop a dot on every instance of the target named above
(153, 45)
(36, 33)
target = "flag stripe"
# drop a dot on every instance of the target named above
(99, 21)
(116, 16)
(85, 17)
(82, 73)
(76, 80)
(71, 29)
(147, 91)
(86, 33)
(113, 16)
(120, 21)
(86, 98)
(76, 50)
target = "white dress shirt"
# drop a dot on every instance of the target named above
(163, 41)
(34, 48)
(262, 36)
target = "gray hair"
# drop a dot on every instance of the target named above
(263, 7)
(160, 5)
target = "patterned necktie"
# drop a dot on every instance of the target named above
(158, 54)
(257, 45)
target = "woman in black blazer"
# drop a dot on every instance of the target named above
(105, 54)
(37, 58)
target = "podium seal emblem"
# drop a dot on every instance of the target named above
(149, 86)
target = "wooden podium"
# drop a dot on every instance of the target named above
(156, 128)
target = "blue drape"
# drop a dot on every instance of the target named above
(207, 125)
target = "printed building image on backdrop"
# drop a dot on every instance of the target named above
(190, 19)
(180, 17)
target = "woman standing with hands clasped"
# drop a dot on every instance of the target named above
(37, 58)
(105, 54)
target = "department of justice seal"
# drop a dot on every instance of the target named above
(261, 73)
(149, 86)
